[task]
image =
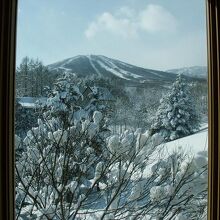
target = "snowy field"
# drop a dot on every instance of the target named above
(195, 146)
(191, 144)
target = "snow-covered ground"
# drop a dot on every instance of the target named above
(191, 144)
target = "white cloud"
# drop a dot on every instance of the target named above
(126, 11)
(127, 22)
(108, 22)
(156, 18)
(92, 30)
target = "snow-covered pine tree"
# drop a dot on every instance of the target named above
(177, 115)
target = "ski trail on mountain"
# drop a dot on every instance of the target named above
(71, 60)
(123, 73)
(93, 66)
(111, 70)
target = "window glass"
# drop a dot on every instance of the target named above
(111, 110)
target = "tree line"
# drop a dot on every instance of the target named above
(32, 77)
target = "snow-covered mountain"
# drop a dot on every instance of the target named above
(99, 65)
(194, 71)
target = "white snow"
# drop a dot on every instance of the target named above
(70, 60)
(195, 145)
(111, 67)
(126, 64)
(28, 105)
(93, 66)
(194, 71)
(156, 192)
(113, 143)
(31, 102)
(97, 117)
(129, 73)
(153, 72)
(192, 144)
(115, 72)
(123, 71)
(64, 68)
(109, 62)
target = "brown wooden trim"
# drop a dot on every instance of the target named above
(8, 10)
(213, 9)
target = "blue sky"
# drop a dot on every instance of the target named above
(157, 34)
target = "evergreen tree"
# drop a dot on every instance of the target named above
(177, 115)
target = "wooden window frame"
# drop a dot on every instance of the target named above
(213, 42)
(8, 15)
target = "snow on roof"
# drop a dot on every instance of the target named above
(30, 102)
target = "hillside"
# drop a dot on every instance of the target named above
(194, 71)
(103, 66)
(191, 144)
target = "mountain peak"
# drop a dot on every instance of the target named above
(100, 65)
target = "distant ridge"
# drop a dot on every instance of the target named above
(194, 71)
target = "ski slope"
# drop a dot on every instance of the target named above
(191, 144)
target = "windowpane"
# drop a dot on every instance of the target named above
(111, 110)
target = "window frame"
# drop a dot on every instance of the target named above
(213, 46)
(8, 17)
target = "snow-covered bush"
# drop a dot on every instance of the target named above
(177, 115)
(71, 170)
(61, 152)
(56, 168)
(129, 179)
